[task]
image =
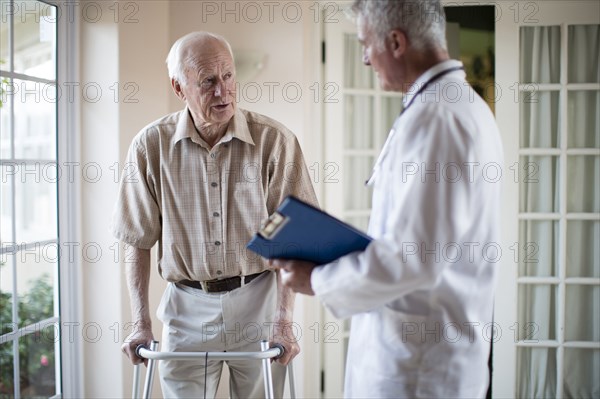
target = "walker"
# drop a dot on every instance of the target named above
(265, 355)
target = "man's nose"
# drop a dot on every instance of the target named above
(219, 89)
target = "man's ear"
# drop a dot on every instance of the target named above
(398, 42)
(177, 89)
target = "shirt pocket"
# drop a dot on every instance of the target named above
(249, 207)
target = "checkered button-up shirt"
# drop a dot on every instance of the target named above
(204, 204)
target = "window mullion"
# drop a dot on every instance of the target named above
(15, 294)
(563, 103)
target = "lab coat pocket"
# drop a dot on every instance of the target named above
(405, 335)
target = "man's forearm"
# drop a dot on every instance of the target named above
(137, 271)
(285, 300)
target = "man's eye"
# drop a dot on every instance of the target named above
(227, 76)
(208, 82)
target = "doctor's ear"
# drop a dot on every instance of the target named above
(397, 42)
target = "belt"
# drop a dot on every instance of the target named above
(221, 285)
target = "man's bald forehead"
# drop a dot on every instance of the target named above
(203, 43)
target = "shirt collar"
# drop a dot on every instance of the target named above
(428, 74)
(237, 128)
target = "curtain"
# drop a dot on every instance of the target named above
(540, 121)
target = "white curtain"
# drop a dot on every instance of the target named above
(360, 116)
(540, 50)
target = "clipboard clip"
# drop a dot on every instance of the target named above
(272, 225)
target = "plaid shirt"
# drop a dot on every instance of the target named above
(204, 204)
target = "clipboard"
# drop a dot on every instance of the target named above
(298, 230)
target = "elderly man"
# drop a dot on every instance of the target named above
(205, 179)
(421, 294)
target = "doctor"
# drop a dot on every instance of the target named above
(421, 294)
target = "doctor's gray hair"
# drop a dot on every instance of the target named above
(423, 21)
(178, 61)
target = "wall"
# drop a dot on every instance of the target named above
(122, 50)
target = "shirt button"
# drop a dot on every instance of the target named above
(217, 243)
(213, 155)
(216, 214)
(219, 272)
(214, 184)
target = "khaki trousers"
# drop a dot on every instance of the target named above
(195, 321)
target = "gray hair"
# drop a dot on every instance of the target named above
(423, 21)
(178, 61)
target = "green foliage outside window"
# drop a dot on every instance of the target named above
(36, 351)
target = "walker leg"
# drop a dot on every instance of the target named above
(264, 345)
(292, 382)
(150, 372)
(135, 393)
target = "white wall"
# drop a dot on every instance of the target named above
(123, 54)
(128, 47)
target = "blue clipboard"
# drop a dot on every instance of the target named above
(298, 230)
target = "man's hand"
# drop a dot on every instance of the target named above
(295, 274)
(283, 334)
(142, 335)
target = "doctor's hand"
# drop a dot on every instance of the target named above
(295, 274)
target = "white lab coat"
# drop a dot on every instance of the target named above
(421, 294)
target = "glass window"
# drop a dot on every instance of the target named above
(29, 351)
(539, 183)
(540, 54)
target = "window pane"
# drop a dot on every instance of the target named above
(35, 120)
(5, 144)
(537, 312)
(35, 201)
(356, 171)
(390, 109)
(538, 248)
(37, 363)
(358, 126)
(583, 190)
(539, 183)
(6, 8)
(583, 251)
(582, 313)
(35, 37)
(6, 325)
(36, 268)
(6, 293)
(584, 119)
(536, 368)
(539, 122)
(540, 54)
(6, 370)
(6, 211)
(356, 74)
(582, 368)
(584, 54)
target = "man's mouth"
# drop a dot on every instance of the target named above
(220, 107)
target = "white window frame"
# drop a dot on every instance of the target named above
(68, 296)
(69, 203)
